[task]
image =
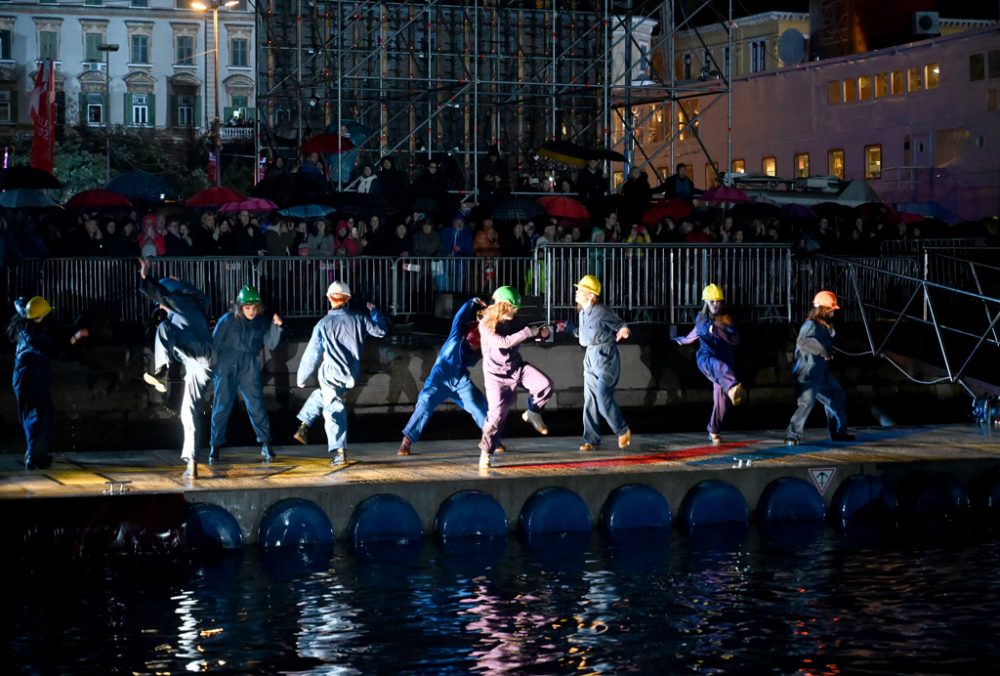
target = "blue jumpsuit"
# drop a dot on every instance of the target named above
(601, 370)
(35, 345)
(449, 378)
(238, 343)
(814, 382)
(184, 336)
(716, 356)
(335, 350)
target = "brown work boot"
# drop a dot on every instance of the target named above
(737, 394)
(587, 447)
(625, 439)
(404, 447)
(302, 434)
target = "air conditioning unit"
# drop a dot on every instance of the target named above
(926, 23)
(93, 66)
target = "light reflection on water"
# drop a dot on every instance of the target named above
(822, 606)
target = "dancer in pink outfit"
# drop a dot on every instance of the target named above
(504, 370)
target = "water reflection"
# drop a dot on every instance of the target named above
(651, 605)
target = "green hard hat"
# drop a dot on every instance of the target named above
(507, 294)
(249, 295)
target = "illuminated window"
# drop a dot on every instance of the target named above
(835, 163)
(873, 161)
(801, 162)
(881, 85)
(897, 83)
(864, 88)
(711, 173)
(739, 166)
(850, 91)
(834, 92)
(769, 166)
(617, 178)
(914, 79)
(681, 123)
(932, 75)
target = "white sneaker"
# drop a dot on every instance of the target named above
(535, 418)
(486, 460)
(339, 457)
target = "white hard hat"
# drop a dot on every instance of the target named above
(339, 288)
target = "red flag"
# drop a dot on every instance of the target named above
(213, 167)
(43, 113)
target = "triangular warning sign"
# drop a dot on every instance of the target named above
(822, 477)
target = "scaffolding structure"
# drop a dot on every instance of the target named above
(446, 80)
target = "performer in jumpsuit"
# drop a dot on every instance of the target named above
(334, 349)
(813, 380)
(599, 331)
(504, 370)
(238, 339)
(449, 377)
(184, 336)
(36, 342)
(716, 356)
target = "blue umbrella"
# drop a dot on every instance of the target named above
(25, 198)
(358, 132)
(141, 185)
(307, 211)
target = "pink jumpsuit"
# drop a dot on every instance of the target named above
(503, 371)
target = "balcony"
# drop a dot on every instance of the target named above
(236, 133)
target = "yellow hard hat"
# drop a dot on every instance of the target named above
(712, 292)
(590, 283)
(36, 308)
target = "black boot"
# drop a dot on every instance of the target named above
(37, 462)
(213, 455)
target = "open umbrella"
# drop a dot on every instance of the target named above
(560, 206)
(674, 209)
(797, 212)
(725, 193)
(326, 144)
(751, 210)
(253, 204)
(606, 154)
(832, 210)
(25, 198)
(24, 176)
(308, 211)
(357, 132)
(98, 198)
(215, 196)
(517, 210)
(566, 152)
(141, 185)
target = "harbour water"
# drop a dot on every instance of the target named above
(806, 601)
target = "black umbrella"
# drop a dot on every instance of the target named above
(566, 152)
(517, 210)
(141, 185)
(23, 176)
(606, 154)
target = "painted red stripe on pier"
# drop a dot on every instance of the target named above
(646, 459)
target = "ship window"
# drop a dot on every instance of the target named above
(711, 173)
(932, 75)
(897, 82)
(835, 163)
(739, 166)
(769, 166)
(977, 67)
(834, 92)
(914, 79)
(801, 162)
(873, 161)
(850, 91)
(864, 88)
(881, 85)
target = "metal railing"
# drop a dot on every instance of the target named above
(664, 282)
(913, 247)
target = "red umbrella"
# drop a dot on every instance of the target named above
(213, 197)
(98, 198)
(563, 207)
(326, 144)
(725, 193)
(674, 209)
(258, 204)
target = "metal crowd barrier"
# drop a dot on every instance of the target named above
(912, 247)
(965, 268)
(664, 282)
(822, 272)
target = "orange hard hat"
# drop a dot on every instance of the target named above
(826, 299)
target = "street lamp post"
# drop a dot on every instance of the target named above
(215, 5)
(107, 48)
